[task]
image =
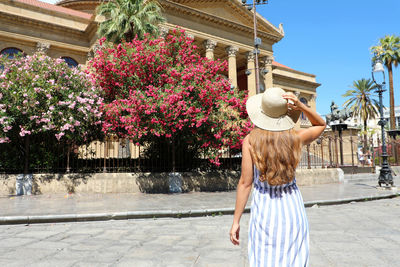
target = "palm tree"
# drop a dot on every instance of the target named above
(126, 19)
(361, 103)
(388, 50)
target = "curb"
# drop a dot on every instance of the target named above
(9, 220)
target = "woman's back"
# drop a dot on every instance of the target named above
(275, 154)
(278, 227)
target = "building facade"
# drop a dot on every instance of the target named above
(221, 29)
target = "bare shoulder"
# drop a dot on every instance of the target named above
(246, 142)
(246, 139)
(299, 132)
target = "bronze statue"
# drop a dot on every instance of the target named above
(336, 114)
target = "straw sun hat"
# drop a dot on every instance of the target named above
(269, 111)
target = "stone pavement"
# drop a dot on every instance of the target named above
(348, 235)
(84, 207)
(364, 233)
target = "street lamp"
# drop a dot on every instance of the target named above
(257, 41)
(378, 73)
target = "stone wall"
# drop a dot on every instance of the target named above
(150, 182)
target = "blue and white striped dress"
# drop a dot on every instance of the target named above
(278, 228)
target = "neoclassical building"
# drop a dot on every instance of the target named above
(221, 29)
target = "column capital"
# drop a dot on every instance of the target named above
(210, 44)
(42, 47)
(189, 35)
(163, 31)
(232, 50)
(313, 97)
(250, 56)
(267, 60)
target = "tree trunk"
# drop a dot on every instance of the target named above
(26, 154)
(391, 94)
(365, 138)
(173, 154)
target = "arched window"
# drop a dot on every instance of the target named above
(70, 61)
(305, 102)
(11, 52)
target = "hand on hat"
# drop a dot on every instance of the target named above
(293, 102)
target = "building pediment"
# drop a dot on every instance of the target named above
(231, 10)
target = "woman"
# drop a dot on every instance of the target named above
(278, 227)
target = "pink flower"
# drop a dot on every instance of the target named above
(4, 140)
(59, 135)
(23, 132)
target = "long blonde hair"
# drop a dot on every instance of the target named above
(275, 154)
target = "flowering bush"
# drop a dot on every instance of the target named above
(39, 94)
(162, 88)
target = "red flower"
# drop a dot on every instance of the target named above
(163, 87)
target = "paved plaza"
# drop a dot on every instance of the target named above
(345, 228)
(355, 234)
(96, 206)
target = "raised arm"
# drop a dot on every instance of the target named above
(243, 190)
(318, 124)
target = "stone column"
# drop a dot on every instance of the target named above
(266, 71)
(232, 50)
(251, 79)
(42, 47)
(210, 46)
(312, 101)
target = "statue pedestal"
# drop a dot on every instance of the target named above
(340, 127)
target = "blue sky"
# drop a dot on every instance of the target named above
(331, 39)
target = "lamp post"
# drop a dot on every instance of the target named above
(257, 41)
(385, 175)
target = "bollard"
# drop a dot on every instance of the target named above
(175, 182)
(23, 184)
(19, 185)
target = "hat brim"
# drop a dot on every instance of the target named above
(263, 121)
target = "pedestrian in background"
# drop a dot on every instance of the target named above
(278, 227)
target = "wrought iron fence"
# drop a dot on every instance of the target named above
(114, 155)
(121, 155)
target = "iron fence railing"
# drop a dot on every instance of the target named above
(114, 155)
(121, 155)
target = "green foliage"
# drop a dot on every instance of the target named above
(388, 50)
(44, 105)
(360, 100)
(162, 94)
(46, 154)
(125, 19)
(39, 94)
(361, 103)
